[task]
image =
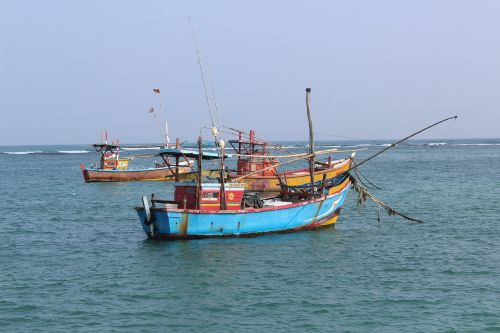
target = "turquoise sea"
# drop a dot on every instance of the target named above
(73, 257)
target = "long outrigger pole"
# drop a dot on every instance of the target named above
(363, 191)
(396, 143)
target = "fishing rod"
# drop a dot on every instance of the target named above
(219, 142)
(402, 140)
(213, 96)
(201, 72)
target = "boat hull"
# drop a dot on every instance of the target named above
(294, 178)
(168, 223)
(100, 175)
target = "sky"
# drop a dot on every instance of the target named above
(377, 69)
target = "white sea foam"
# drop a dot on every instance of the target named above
(477, 144)
(359, 145)
(140, 148)
(328, 146)
(437, 143)
(22, 152)
(73, 151)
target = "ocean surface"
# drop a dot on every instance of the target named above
(73, 257)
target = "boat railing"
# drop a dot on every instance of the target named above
(159, 203)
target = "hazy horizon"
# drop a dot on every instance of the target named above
(190, 143)
(377, 70)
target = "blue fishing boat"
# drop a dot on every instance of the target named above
(218, 209)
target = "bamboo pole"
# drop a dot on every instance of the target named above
(199, 173)
(311, 139)
(404, 139)
(302, 155)
(270, 167)
(283, 163)
(177, 146)
(222, 185)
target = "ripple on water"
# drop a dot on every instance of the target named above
(82, 263)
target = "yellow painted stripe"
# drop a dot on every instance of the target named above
(340, 187)
(330, 221)
(318, 175)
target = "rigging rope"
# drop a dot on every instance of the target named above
(404, 139)
(359, 174)
(363, 195)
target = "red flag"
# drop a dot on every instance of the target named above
(156, 90)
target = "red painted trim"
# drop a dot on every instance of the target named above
(248, 210)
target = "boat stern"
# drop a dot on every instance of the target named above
(85, 173)
(147, 226)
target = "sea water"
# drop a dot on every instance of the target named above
(73, 257)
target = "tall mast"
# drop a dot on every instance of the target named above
(177, 146)
(198, 178)
(222, 185)
(311, 139)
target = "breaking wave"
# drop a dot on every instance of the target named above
(477, 144)
(139, 148)
(73, 151)
(40, 152)
(22, 152)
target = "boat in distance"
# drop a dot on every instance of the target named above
(112, 168)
